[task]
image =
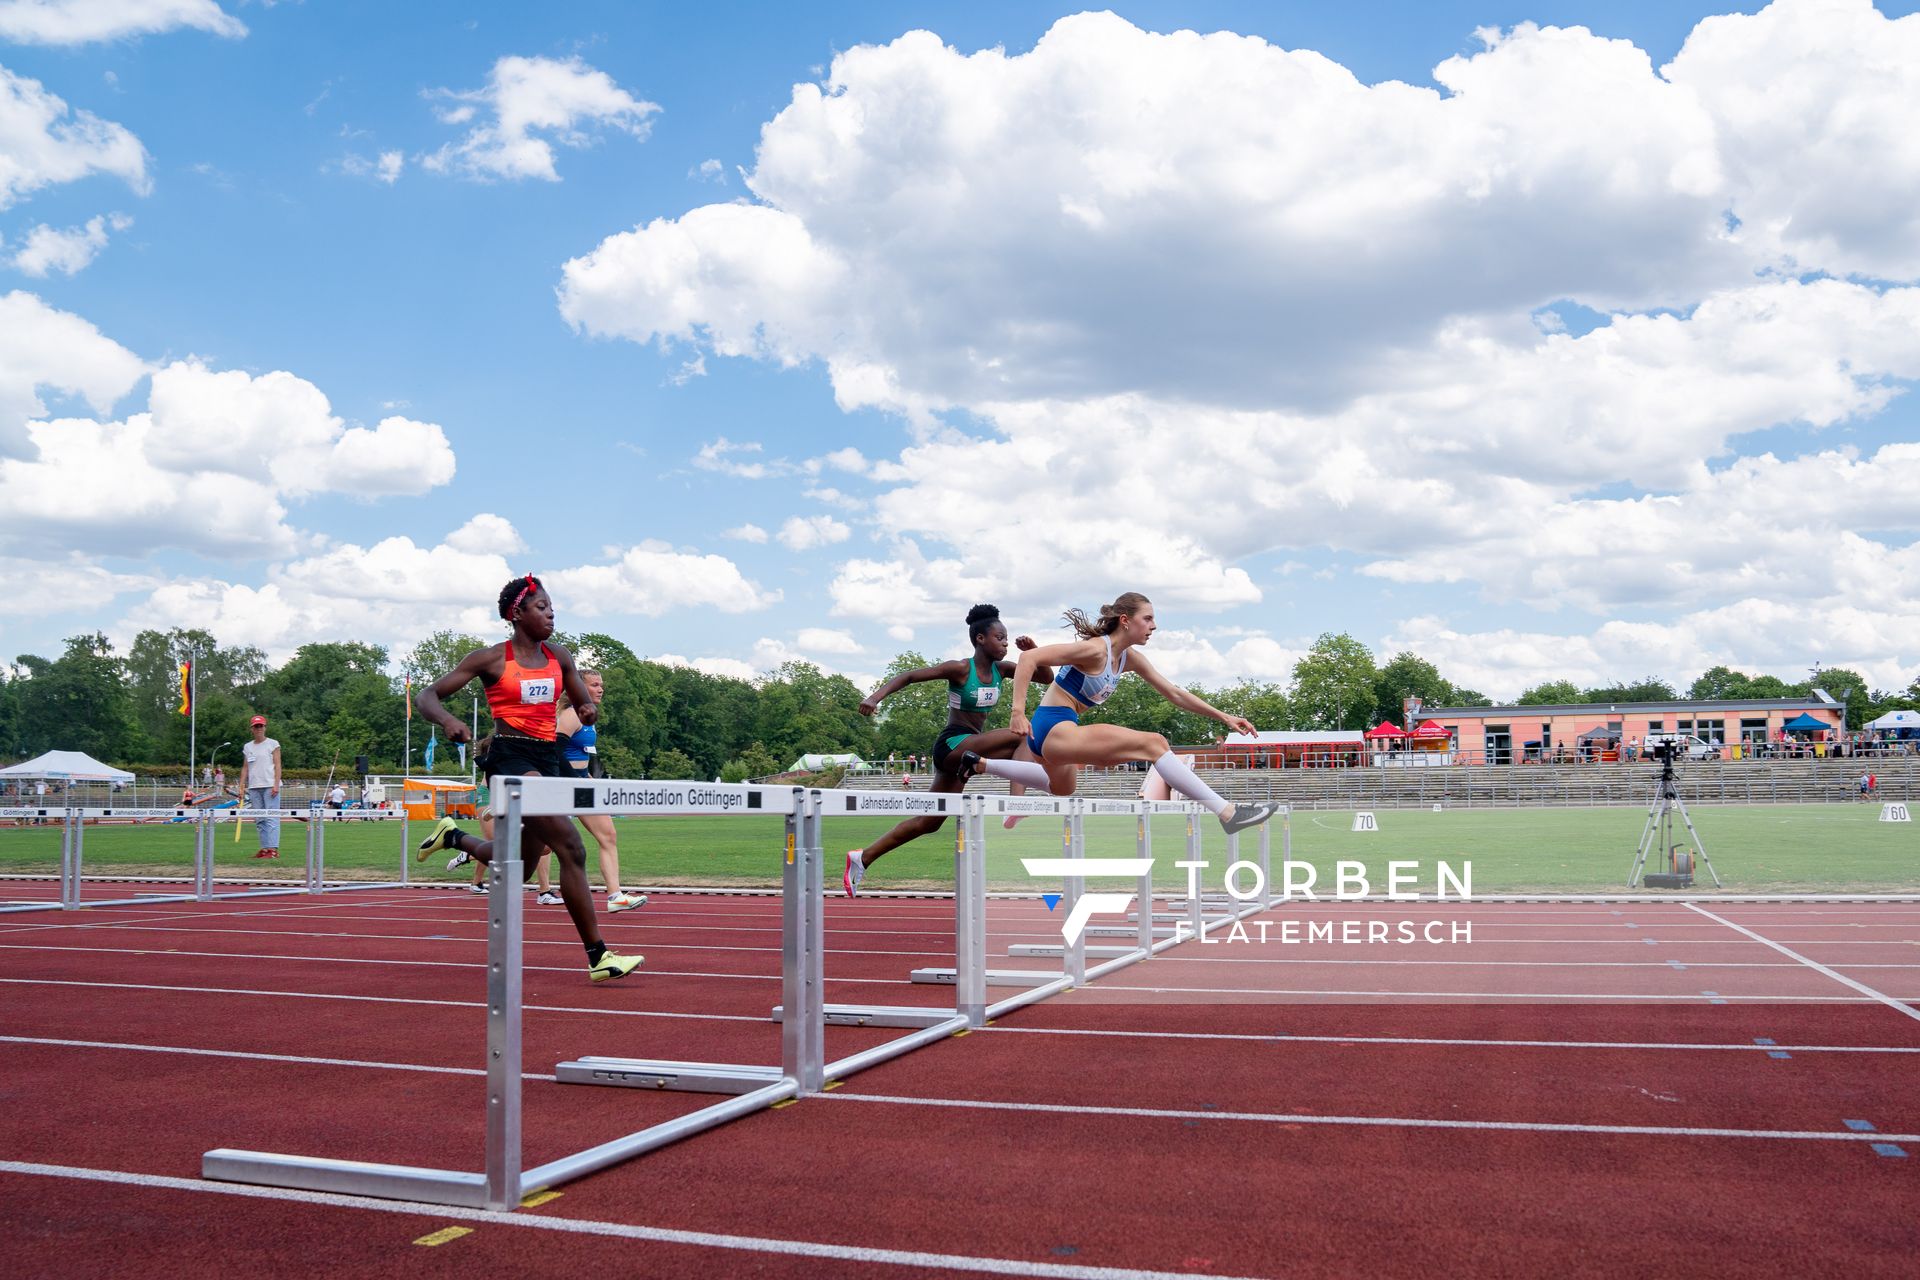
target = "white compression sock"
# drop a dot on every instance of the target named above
(1187, 783)
(1020, 771)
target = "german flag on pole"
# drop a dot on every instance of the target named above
(406, 696)
(186, 688)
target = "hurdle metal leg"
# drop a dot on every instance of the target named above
(504, 978)
(69, 860)
(802, 904)
(1074, 961)
(970, 913)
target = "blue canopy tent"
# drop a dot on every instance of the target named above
(1804, 723)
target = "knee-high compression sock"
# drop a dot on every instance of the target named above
(1183, 779)
(1020, 771)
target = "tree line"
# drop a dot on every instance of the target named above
(333, 701)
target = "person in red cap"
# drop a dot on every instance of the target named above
(260, 783)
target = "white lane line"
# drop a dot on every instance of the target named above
(620, 1230)
(1469, 995)
(1449, 1041)
(328, 995)
(1379, 1122)
(1896, 1005)
(260, 1057)
(652, 947)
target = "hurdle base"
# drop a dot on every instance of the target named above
(995, 977)
(346, 1177)
(877, 1015)
(655, 1073)
(1124, 931)
(1044, 949)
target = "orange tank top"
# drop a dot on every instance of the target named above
(524, 699)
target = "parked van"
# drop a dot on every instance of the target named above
(1686, 746)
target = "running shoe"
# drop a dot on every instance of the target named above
(610, 965)
(1246, 815)
(856, 872)
(624, 901)
(459, 859)
(550, 899)
(476, 888)
(441, 837)
(263, 854)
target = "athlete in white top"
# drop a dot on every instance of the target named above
(1085, 673)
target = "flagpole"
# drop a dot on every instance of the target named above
(193, 721)
(406, 765)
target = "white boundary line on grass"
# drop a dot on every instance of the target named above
(619, 1230)
(1891, 1002)
(1380, 1122)
(1447, 1041)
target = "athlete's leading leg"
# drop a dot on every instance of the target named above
(907, 829)
(1102, 744)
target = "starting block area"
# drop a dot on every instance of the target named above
(802, 1017)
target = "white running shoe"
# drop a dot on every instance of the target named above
(459, 860)
(856, 872)
(550, 899)
(624, 901)
(476, 888)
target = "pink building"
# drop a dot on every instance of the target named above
(1734, 728)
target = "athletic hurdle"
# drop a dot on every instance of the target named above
(503, 1182)
(73, 833)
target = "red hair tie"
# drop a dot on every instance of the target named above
(532, 584)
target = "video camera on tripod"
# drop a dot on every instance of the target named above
(1657, 835)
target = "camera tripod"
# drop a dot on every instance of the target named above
(1666, 799)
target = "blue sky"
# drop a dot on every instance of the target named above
(575, 407)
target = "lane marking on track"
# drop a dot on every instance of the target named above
(328, 995)
(298, 1059)
(443, 1236)
(1449, 1041)
(621, 1230)
(1378, 1122)
(651, 947)
(1696, 997)
(1899, 1006)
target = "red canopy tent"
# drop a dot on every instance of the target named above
(1431, 729)
(1386, 729)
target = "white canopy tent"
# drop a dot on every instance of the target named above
(815, 763)
(65, 766)
(1896, 720)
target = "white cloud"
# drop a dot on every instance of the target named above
(1206, 299)
(719, 455)
(747, 533)
(826, 640)
(732, 668)
(88, 21)
(207, 467)
(68, 584)
(804, 533)
(44, 348)
(69, 251)
(384, 167)
(42, 143)
(530, 104)
(653, 578)
(709, 171)
(280, 428)
(487, 532)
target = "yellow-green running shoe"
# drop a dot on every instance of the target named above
(610, 965)
(441, 837)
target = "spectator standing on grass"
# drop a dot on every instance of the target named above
(260, 778)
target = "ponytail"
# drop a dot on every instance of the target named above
(1109, 620)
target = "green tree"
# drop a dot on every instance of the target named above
(1333, 686)
(225, 682)
(1263, 703)
(906, 722)
(709, 719)
(802, 710)
(337, 698)
(671, 764)
(1470, 698)
(1648, 689)
(1408, 676)
(78, 702)
(434, 657)
(1551, 693)
(754, 762)
(1720, 684)
(9, 714)
(1849, 689)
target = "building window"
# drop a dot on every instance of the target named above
(1656, 726)
(1753, 731)
(1711, 731)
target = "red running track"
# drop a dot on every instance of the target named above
(1577, 1090)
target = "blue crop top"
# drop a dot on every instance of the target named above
(1091, 691)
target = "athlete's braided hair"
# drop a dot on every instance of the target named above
(980, 619)
(515, 591)
(1110, 614)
